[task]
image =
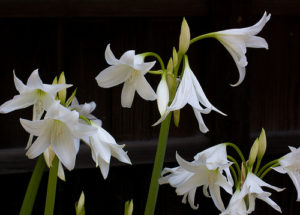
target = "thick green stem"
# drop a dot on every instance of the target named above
(51, 189)
(158, 164)
(33, 186)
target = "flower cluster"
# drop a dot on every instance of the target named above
(211, 169)
(64, 124)
(176, 89)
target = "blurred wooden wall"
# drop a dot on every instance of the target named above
(71, 36)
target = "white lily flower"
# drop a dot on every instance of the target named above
(35, 93)
(252, 188)
(162, 96)
(236, 206)
(61, 130)
(103, 146)
(130, 69)
(290, 164)
(85, 110)
(202, 171)
(190, 92)
(237, 40)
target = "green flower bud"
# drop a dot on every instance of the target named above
(262, 144)
(63, 93)
(79, 206)
(184, 38)
(253, 154)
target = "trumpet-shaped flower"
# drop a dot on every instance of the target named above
(252, 189)
(103, 146)
(237, 40)
(236, 206)
(61, 130)
(35, 93)
(206, 170)
(190, 92)
(130, 69)
(290, 164)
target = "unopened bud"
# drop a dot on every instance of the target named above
(262, 144)
(162, 95)
(184, 38)
(63, 93)
(253, 154)
(176, 114)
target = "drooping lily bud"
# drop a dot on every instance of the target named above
(162, 93)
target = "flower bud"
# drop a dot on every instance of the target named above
(162, 95)
(253, 153)
(63, 93)
(128, 207)
(175, 57)
(79, 206)
(184, 38)
(262, 144)
(176, 115)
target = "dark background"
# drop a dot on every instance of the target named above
(71, 36)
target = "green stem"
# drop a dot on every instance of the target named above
(85, 119)
(203, 36)
(237, 150)
(158, 164)
(234, 176)
(267, 166)
(257, 165)
(51, 189)
(33, 186)
(268, 170)
(148, 54)
(236, 165)
(158, 72)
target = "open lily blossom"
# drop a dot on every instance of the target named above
(34, 93)
(61, 130)
(85, 110)
(236, 206)
(290, 164)
(252, 188)
(103, 146)
(190, 92)
(237, 40)
(130, 69)
(191, 175)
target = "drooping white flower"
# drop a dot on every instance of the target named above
(130, 69)
(236, 206)
(206, 170)
(190, 92)
(252, 189)
(237, 40)
(290, 164)
(61, 130)
(162, 96)
(103, 146)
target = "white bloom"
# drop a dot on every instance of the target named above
(162, 96)
(290, 164)
(206, 170)
(34, 93)
(237, 40)
(130, 69)
(103, 146)
(252, 188)
(61, 130)
(236, 206)
(85, 110)
(190, 92)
